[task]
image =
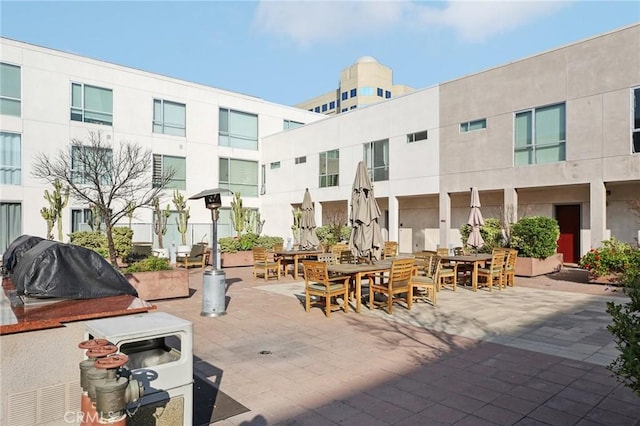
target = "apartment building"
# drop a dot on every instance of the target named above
(363, 83)
(554, 134)
(211, 137)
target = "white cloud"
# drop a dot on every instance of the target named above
(308, 22)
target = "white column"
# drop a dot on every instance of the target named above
(445, 218)
(317, 209)
(394, 214)
(598, 212)
(510, 205)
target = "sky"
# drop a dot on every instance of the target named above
(290, 51)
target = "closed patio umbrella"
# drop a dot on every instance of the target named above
(308, 238)
(475, 221)
(366, 238)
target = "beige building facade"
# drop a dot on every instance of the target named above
(363, 83)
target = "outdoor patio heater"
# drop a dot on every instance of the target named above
(214, 281)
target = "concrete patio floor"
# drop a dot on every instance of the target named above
(534, 354)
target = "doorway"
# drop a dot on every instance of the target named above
(568, 217)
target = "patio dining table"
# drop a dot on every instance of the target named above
(357, 270)
(296, 255)
(473, 259)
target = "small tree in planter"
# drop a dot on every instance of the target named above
(491, 233)
(295, 228)
(58, 200)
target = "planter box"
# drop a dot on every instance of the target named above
(239, 258)
(531, 267)
(157, 285)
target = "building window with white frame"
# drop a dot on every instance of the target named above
(636, 121)
(10, 90)
(164, 164)
(91, 104)
(540, 135)
(376, 157)
(10, 224)
(239, 176)
(329, 168)
(169, 118)
(81, 220)
(88, 161)
(275, 165)
(471, 126)
(10, 158)
(301, 160)
(263, 178)
(238, 129)
(417, 136)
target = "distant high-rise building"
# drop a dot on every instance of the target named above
(364, 83)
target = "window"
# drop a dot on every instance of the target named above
(332, 105)
(290, 124)
(636, 121)
(345, 96)
(418, 136)
(169, 117)
(316, 109)
(10, 90)
(81, 220)
(540, 135)
(470, 126)
(324, 107)
(275, 165)
(329, 168)
(91, 104)
(164, 164)
(300, 160)
(10, 224)
(263, 175)
(387, 94)
(380, 92)
(239, 176)
(88, 162)
(366, 91)
(353, 107)
(10, 159)
(238, 129)
(344, 110)
(353, 93)
(376, 157)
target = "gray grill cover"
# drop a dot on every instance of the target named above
(16, 249)
(53, 269)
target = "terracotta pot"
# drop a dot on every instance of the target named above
(530, 267)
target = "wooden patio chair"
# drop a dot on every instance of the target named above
(493, 272)
(446, 274)
(423, 282)
(397, 282)
(327, 288)
(265, 264)
(197, 257)
(510, 268)
(390, 249)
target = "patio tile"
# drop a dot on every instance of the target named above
(498, 415)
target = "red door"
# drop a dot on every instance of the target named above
(568, 217)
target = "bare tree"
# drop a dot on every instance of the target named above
(113, 181)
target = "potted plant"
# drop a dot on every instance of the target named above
(155, 279)
(182, 220)
(607, 264)
(237, 251)
(491, 233)
(536, 239)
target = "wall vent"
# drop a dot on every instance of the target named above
(59, 404)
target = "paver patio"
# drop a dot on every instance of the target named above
(529, 355)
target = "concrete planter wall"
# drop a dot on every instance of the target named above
(157, 285)
(531, 267)
(239, 258)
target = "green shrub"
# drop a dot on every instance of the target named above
(97, 241)
(122, 237)
(152, 263)
(88, 239)
(625, 326)
(535, 236)
(246, 242)
(331, 234)
(491, 233)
